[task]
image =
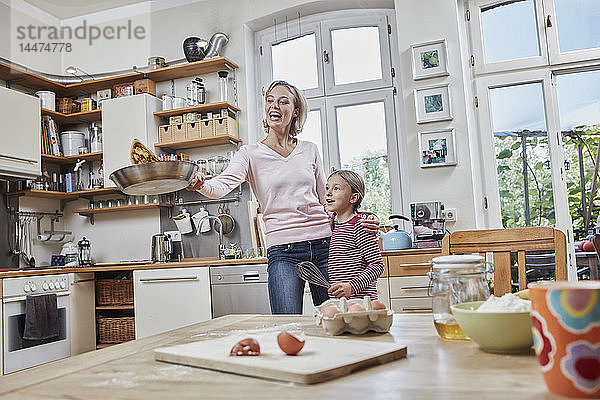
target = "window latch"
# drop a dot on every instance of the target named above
(325, 56)
(549, 21)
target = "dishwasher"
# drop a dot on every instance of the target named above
(239, 289)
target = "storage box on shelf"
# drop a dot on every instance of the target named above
(408, 280)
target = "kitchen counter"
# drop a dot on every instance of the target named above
(434, 368)
(125, 266)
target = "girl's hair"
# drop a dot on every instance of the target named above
(357, 185)
(299, 103)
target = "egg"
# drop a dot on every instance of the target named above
(330, 310)
(377, 305)
(245, 347)
(289, 343)
(355, 307)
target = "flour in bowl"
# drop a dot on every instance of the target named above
(506, 303)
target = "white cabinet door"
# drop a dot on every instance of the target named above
(20, 153)
(125, 119)
(410, 294)
(83, 313)
(170, 298)
(383, 291)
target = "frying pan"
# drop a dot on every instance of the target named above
(154, 177)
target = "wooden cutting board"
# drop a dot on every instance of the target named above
(320, 360)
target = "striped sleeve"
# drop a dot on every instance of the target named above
(370, 254)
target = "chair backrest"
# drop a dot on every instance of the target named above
(502, 242)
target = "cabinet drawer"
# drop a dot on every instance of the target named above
(411, 305)
(409, 286)
(411, 264)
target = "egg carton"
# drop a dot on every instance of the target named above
(354, 322)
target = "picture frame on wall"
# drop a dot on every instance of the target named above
(432, 103)
(437, 148)
(429, 59)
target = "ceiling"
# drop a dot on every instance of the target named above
(64, 9)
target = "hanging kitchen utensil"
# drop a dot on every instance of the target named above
(310, 273)
(226, 219)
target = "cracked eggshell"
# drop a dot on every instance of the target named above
(245, 347)
(289, 343)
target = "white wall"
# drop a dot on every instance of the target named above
(21, 14)
(452, 185)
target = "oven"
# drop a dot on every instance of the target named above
(19, 353)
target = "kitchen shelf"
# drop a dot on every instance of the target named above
(49, 194)
(74, 118)
(43, 194)
(71, 159)
(202, 142)
(211, 107)
(122, 307)
(91, 211)
(22, 77)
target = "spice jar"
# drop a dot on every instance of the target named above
(456, 279)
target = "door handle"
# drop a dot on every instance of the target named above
(173, 279)
(416, 308)
(251, 276)
(414, 287)
(29, 160)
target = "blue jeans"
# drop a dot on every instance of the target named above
(286, 289)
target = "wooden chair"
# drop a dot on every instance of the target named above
(502, 242)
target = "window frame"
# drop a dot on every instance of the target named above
(385, 96)
(478, 52)
(556, 56)
(328, 26)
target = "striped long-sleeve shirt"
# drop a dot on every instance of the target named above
(355, 258)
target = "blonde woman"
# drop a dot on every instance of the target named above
(286, 175)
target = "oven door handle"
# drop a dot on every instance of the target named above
(22, 298)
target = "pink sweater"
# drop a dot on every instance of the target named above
(291, 190)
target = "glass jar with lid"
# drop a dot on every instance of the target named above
(456, 279)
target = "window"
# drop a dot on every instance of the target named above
(536, 74)
(351, 114)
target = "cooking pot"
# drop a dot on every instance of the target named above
(396, 239)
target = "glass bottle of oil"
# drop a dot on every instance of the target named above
(455, 279)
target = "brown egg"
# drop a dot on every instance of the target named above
(355, 307)
(289, 343)
(377, 305)
(330, 310)
(245, 347)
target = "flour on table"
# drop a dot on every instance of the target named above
(506, 303)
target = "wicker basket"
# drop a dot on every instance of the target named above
(64, 105)
(112, 292)
(116, 330)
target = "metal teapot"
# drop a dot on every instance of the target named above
(396, 239)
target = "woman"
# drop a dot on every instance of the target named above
(286, 176)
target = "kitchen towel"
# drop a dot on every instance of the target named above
(41, 317)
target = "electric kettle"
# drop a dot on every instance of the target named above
(162, 247)
(396, 239)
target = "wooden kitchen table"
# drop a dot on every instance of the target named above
(434, 368)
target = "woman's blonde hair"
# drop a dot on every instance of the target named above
(357, 185)
(299, 103)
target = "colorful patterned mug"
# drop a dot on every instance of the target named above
(566, 335)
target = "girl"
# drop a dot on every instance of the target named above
(355, 262)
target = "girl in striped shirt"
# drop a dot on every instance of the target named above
(355, 262)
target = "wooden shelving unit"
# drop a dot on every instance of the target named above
(71, 159)
(211, 107)
(91, 211)
(202, 142)
(22, 77)
(74, 118)
(49, 194)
